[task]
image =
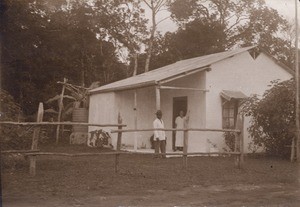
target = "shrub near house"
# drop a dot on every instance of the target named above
(273, 118)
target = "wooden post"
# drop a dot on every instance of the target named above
(157, 96)
(296, 152)
(35, 140)
(185, 143)
(60, 109)
(135, 120)
(293, 147)
(119, 143)
(236, 144)
(242, 142)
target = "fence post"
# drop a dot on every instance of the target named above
(185, 143)
(239, 138)
(242, 142)
(60, 108)
(35, 140)
(236, 149)
(119, 142)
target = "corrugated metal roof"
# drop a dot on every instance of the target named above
(172, 70)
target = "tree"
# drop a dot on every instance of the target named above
(197, 38)
(155, 7)
(45, 41)
(241, 23)
(127, 28)
(273, 118)
(271, 32)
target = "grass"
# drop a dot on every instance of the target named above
(69, 178)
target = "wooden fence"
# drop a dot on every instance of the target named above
(238, 151)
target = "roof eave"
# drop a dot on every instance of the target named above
(288, 69)
(123, 88)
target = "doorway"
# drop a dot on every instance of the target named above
(179, 103)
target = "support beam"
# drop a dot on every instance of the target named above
(157, 97)
(183, 88)
(135, 120)
(183, 74)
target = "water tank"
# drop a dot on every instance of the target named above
(80, 115)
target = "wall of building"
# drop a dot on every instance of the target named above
(102, 111)
(145, 114)
(242, 73)
(196, 106)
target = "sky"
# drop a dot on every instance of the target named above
(284, 7)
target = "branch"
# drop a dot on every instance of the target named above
(162, 20)
(236, 23)
(159, 5)
(72, 85)
(145, 1)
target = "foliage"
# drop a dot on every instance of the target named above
(85, 41)
(273, 117)
(12, 137)
(229, 138)
(216, 25)
(45, 41)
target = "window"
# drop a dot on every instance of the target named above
(229, 113)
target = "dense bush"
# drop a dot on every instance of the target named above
(273, 118)
(12, 137)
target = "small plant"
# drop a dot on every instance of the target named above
(213, 145)
(229, 141)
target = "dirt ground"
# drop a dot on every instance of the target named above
(144, 181)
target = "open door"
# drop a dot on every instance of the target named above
(179, 103)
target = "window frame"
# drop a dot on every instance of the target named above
(229, 112)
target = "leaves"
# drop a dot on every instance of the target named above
(45, 41)
(273, 117)
(228, 24)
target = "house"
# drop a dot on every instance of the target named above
(210, 87)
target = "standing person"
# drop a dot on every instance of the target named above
(159, 136)
(179, 124)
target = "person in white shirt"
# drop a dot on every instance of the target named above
(159, 136)
(179, 124)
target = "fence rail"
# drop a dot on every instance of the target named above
(238, 151)
(19, 151)
(58, 123)
(37, 152)
(175, 129)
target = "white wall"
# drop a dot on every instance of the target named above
(123, 102)
(196, 106)
(145, 114)
(242, 73)
(102, 111)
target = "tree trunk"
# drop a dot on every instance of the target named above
(135, 64)
(151, 40)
